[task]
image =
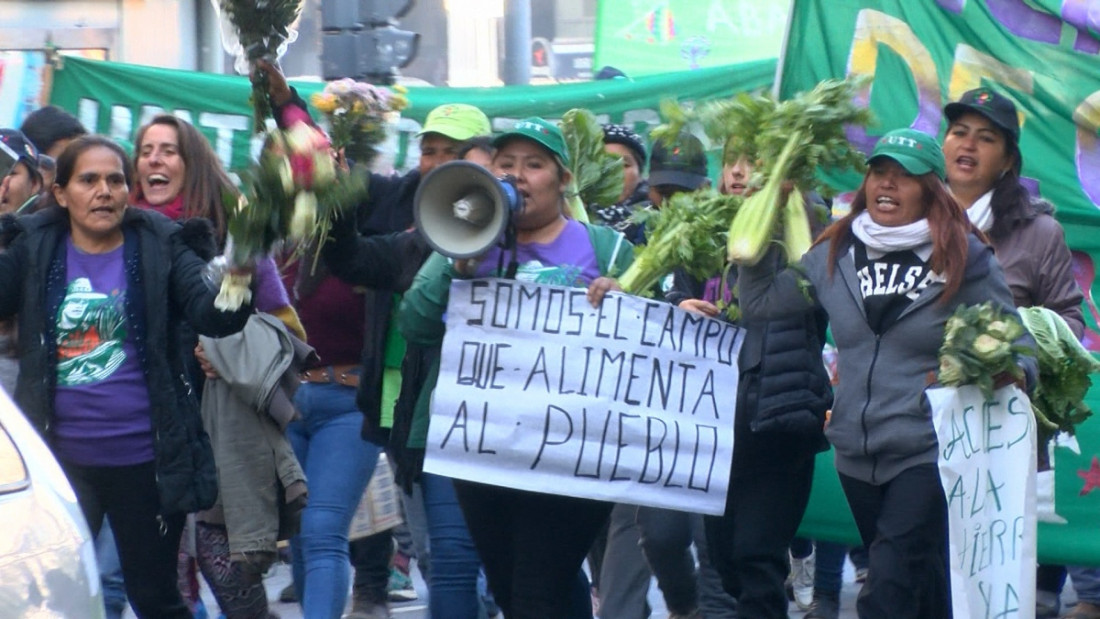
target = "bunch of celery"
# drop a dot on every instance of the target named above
(732, 122)
(688, 231)
(597, 174)
(791, 142)
(1064, 369)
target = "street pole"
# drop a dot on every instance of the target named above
(517, 42)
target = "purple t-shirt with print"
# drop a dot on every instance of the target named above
(101, 401)
(568, 260)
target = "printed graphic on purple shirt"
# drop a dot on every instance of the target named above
(91, 329)
(101, 401)
(568, 260)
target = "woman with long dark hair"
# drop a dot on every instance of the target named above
(984, 162)
(178, 174)
(888, 275)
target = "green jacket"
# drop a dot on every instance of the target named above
(421, 316)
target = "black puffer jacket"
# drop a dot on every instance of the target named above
(784, 389)
(165, 287)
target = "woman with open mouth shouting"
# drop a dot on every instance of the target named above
(531, 543)
(982, 148)
(889, 274)
(179, 175)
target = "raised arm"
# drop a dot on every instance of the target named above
(191, 292)
(771, 289)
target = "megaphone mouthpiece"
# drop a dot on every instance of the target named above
(475, 208)
(463, 210)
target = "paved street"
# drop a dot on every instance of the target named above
(280, 576)
(418, 609)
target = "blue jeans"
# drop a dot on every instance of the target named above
(338, 464)
(452, 586)
(829, 568)
(1086, 582)
(666, 537)
(110, 572)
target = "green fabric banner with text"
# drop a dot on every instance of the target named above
(643, 37)
(1044, 55)
(116, 99)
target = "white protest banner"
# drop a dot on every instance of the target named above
(987, 467)
(632, 402)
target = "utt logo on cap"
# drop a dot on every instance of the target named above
(523, 124)
(900, 140)
(983, 97)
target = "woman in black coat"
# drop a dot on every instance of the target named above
(101, 291)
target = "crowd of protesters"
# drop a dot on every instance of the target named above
(111, 339)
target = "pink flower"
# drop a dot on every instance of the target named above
(301, 168)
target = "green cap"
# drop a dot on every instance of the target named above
(916, 151)
(458, 121)
(540, 130)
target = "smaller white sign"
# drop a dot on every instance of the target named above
(987, 466)
(631, 402)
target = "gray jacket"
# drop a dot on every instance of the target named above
(261, 486)
(881, 424)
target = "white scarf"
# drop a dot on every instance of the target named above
(916, 236)
(980, 213)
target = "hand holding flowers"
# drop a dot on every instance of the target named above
(294, 192)
(254, 30)
(357, 113)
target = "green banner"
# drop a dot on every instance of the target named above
(116, 99)
(1044, 55)
(643, 37)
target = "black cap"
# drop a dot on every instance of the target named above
(28, 154)
(682, 163)
(608, 72)
(621, 134)
(1000, 110)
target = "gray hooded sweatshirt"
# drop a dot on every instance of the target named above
(881, 423)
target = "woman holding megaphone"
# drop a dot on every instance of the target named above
(532, 544)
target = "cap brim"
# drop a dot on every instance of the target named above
(675, 177)
(453, 133)
(505, 137)
(954, 110)
(912, 165)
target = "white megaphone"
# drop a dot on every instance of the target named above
(463, 210)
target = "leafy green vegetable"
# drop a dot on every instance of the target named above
(597, 174)
(979, 346)
(754, 226)
(1064, 369)
(732, 122)
(687, 231)
(791, 142)
(796, 228)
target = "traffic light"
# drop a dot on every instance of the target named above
(388, 49)
(361, 41)
(383, 12)
(339, 15)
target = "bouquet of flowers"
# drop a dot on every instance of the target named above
(357, 114)
(294, 192)
(257, 29)
(978, 347)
